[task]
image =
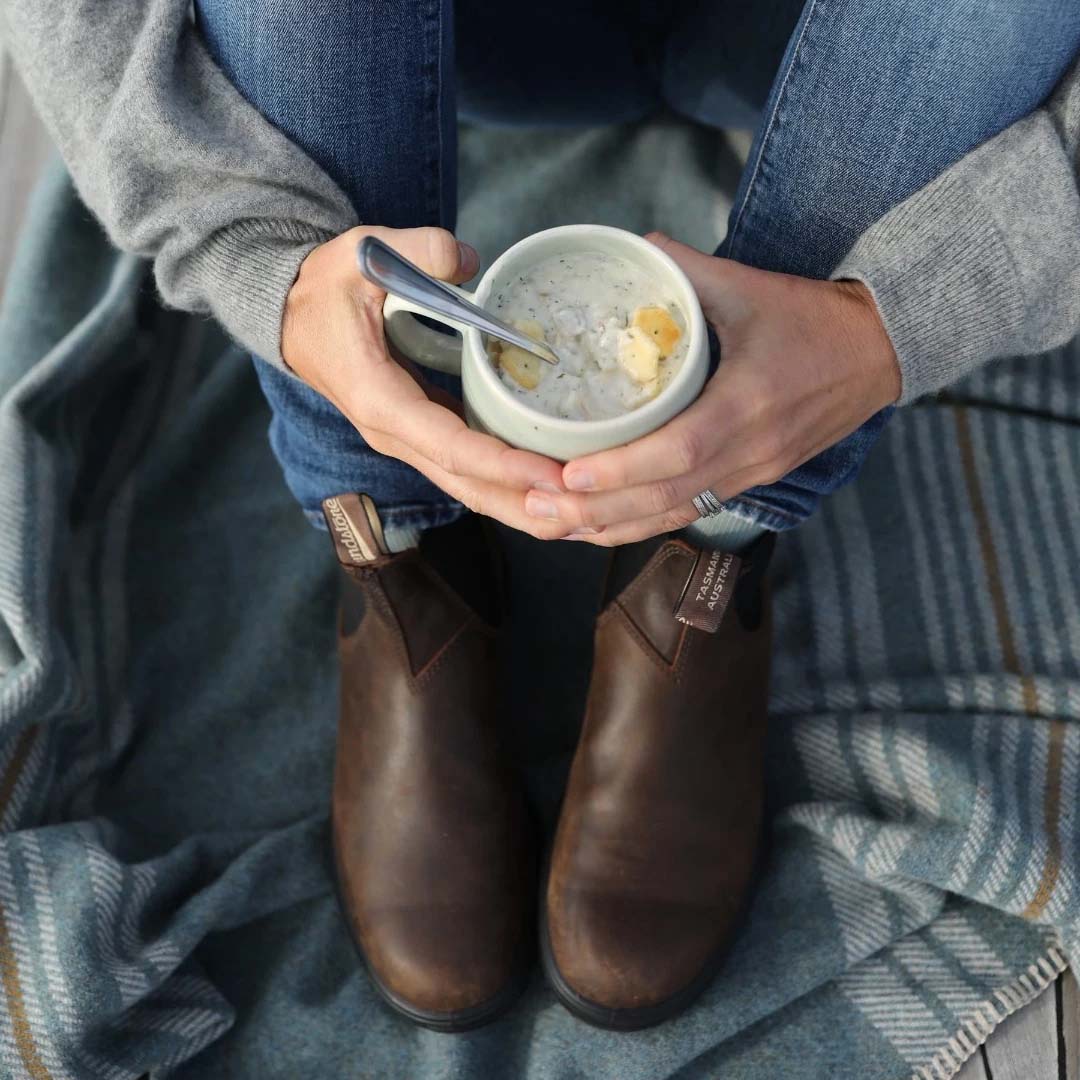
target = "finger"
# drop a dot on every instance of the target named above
(443, 437)
(491, 500)
(605, 509)
(435, 251)
(629, 532)
(440, 435)
(727, 476)
(608, 508)
(683, 445)
(499, 503)
(612, 507)
(738, 423)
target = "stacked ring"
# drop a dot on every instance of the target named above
(707, 504)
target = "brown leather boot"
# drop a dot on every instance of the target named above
(657, 840)
(433, 849)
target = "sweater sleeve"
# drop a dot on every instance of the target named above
(172, 159)
(984, 262)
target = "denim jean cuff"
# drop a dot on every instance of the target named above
(402, 525)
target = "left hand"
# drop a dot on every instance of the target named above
(803, 363)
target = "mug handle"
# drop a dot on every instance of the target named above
(419, 342)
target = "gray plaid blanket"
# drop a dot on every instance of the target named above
(167, 705)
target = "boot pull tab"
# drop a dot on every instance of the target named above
(708, 589)
(356, 530)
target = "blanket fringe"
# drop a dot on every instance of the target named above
(974, 1031)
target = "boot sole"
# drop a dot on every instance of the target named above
(602, 1016)
(447, 1023)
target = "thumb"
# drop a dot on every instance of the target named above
(434, 250)
(713, 278)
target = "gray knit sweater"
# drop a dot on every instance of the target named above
(983, 262)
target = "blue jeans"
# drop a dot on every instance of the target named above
(856, 104)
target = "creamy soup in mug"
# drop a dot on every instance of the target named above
(619, 335)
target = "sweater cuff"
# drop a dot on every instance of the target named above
(943, 280)
(246, 271)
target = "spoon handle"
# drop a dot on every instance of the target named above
(385, 267)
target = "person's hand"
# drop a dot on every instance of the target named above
(803, 363)
(332, 338)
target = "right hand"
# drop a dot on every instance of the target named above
(332, 338)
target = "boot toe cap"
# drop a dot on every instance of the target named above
(623, 954)
(443, 963)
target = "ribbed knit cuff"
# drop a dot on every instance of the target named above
(247, 271)
(944, 284)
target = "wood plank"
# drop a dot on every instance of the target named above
(24, 149)
(973, 1068)
(1070, 1023)
(1024, 1047)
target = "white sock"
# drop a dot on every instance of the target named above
(723, 532)
(402, 537)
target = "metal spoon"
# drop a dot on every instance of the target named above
(384, 267)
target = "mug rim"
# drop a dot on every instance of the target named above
(695, 324)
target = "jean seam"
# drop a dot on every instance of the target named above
(773, 118)
(440, 106)
(432, 118)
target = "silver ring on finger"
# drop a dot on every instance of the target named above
(707, 504)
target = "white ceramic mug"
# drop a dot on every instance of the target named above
(490, 406)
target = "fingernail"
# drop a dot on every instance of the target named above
(551, 489)
(537, 507)
(469, 258)
(580, 481)
(585, 531)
